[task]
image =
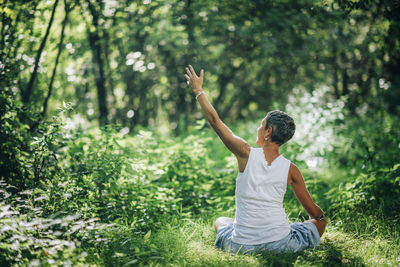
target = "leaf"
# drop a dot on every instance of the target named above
(147, 235)
(131, 262)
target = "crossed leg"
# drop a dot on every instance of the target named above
(221, 220)
(319, 224)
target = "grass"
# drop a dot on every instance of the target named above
(190, 242)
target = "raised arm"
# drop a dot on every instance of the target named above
(235, 144)
(296, 180)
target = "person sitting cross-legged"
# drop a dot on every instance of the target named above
(260, 222)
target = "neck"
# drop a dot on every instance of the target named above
(271, 151)
(269, 146)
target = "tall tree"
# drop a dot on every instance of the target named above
(98, 60)
(67, 10)
(26, 94)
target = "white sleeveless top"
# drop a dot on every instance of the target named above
(260, 216)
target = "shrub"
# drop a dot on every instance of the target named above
(26, 237)
(376, 193)
(14, 149)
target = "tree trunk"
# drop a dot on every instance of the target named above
(94, 41)
(182, 108)
(222, 82)
(110, 84)
(4, 21)
(345, 82)
(60, 48)
(28, 90)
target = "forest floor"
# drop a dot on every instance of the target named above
(191, 243)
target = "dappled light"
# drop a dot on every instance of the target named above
(111, 152)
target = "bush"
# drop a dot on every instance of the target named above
(376, 193)
(366, 142)
(198, 186)
(14, 148)
(26, 237)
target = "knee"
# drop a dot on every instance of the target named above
(217, 222)
(220, 220)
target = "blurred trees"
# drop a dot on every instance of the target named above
(385, 42)
(124, 60)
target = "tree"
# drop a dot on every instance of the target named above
(26, 94)
(67, 9)
(98, 59)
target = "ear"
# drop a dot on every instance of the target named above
(268, 132)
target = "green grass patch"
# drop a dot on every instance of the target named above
(190, 242)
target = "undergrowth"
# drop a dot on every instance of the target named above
(98, 197)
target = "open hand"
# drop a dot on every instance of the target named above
(195, 82)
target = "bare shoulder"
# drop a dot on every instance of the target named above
(294, 174)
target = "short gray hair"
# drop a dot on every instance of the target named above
(283, 126)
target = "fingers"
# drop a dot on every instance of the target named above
(191, 73)
(192, 70)
(188, 73)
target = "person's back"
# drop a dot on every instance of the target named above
(260, 221)
(260, 189)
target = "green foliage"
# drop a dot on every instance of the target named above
(375, 193)
(105, 198)
(101, 196)
(26, 237)
(13, 149)
(126, 56)
(190, 175)
(77, 195)
(368, 141)
(100, 178)
(135, 183)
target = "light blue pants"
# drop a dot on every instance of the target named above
(302, 235)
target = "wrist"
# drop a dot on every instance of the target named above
(200, 92)
(197, 90)
(320, 218)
